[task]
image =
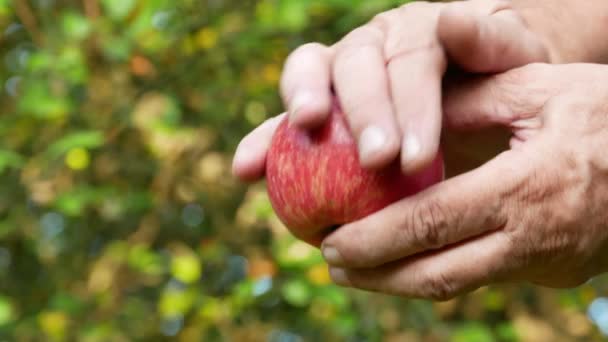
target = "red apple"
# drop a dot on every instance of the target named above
(315, 181)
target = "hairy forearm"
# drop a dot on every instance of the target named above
(574, 30)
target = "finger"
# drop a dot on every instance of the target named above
(361, 83)
(306, 85)
(502, 99)
(250, 156)
(454, 210)
(438, 276)
(415, 80)
(487, 36)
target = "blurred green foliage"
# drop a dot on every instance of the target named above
(118, 220)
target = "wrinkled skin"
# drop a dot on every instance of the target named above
(536, 212)
(531, 214)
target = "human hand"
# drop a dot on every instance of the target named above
(536, 212)
(388, 74)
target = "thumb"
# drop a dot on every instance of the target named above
(249, 161)
(498, 100)
(488, 36)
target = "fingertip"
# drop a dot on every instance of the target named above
(377, 146)
(249, 160)
(246, 167)
(416, 157)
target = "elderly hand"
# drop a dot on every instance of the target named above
(537, 212)
(388, 74)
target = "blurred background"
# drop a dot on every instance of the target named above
(119, 220)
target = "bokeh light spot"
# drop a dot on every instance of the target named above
(77, 159)
(186, 268)
(6, 311)
(12, 86)
(206, 38)
(172, 326)
(262, 286)
(52, 224)
(255, 113)
(160, 19)
(5, 259)
(193, 215)
(598, 313)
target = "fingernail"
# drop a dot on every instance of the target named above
(332, 256)
(338, 275)
(300, 100)
(371, 141)
(411, 148)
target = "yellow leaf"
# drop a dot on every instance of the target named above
(186, 268)
(54, 324)
(319, 275)
(206, 38)
(271, 74)
(77, 159)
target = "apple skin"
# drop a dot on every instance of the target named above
(315, 181)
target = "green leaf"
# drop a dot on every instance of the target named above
(7, 313)
(39, 101)
(118, 9)
(297, 292)
(66, 302)
(335, 296)
(294, 14)
(146, 261)
(494, 300)
(174, 302)
(186, 268)
(75, 26)
(74, 202)
(82, 139)
(10, 159)
(473, 332)
(507, 333)
(5, 9)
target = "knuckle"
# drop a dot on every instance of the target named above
(438, 287)
(384, 20)
(429, 223)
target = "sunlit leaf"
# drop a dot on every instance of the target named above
(7, 313)
(145, 260)
(186, 268)
(507, 332)
(174, 302)
(39, 101)
(9, 159)
(472, 332)
(82, 140)
(75, 25)
(54, 324)
(77, 158)
(118, 9)
(297, 292)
